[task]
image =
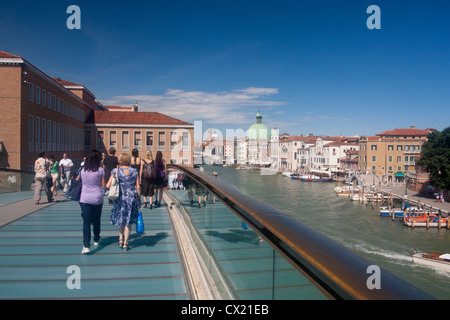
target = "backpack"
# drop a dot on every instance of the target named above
(149, 170)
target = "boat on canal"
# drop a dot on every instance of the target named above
(436, 260)
(315, 176)
(426, 220)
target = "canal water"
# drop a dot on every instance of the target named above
(359, 227)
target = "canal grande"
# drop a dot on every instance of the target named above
(357, 226)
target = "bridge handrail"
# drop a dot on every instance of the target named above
(340, 272)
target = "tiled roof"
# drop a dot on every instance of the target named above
(133, 118)
(405, 132)
(6, 55)
(342, 142)
(66, 83)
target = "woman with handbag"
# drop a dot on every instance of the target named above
(125, 208)
(92, 178)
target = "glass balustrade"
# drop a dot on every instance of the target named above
(253, 251)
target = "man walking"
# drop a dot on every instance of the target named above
(66, 166)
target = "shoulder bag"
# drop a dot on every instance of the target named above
(114, 190)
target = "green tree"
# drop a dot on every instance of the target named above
(435, 158)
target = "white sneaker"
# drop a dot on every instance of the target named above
(98, 242)
(85, 250)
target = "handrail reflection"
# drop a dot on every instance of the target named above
(340, 272)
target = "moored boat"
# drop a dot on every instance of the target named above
(426, 220)
(314, 178)
(436, 260)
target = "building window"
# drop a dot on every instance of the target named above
(58, 135)
(49, 135)
(101, 140)
(125, 141)
(58, 106)
(44, 97)
(399, 158)
(373, 147)
(31, 91)
(87, 140)
(38, 95)
(399, 148)
(66, 137)
(149, 140)
(162, 140)
(54, 136)
(137, 140)
(185, 141)
(30, 133)
(390, 147)
(374, 158)
(44, 134)
(113, 139)
(173, 140)
(390, 159)
(38, 133)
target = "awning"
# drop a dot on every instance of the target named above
(399, 174)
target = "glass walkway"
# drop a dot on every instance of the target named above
(230, 248)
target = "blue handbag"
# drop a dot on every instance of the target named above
(140, 228)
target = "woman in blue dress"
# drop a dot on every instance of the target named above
(125, 208)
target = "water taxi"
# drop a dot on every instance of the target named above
(439, 261)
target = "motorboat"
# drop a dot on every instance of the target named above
(425, 220)
(436, 260)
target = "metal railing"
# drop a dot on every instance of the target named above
(334, 269)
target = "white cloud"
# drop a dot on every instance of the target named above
(233, 107)
(226, 107)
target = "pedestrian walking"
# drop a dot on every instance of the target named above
(66, 168)
(92, 177)
(125, 209)
(148, 179)
(160, 177)
(136, 164)
(41, 169)
(55, 173)
(110, 162)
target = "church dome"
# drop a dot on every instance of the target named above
(258, 130)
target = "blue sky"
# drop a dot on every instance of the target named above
(310, 66)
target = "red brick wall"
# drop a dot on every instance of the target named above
(10, 128)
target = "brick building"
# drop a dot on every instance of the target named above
(43, 113)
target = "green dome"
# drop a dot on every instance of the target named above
(258, 130)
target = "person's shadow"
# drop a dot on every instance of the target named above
(136, 240)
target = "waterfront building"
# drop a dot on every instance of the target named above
(391, 154)
(44, 113)
(288, 151)
(274, 150)
(349, 163)
(258, 138)
(240, 150)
